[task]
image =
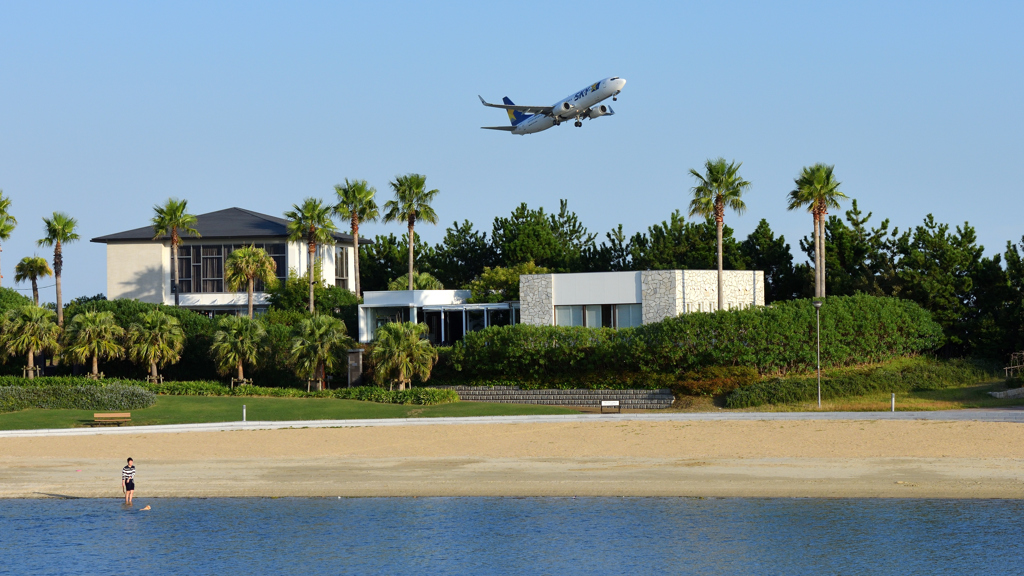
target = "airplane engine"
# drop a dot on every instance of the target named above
(600, 110)
(564, 109)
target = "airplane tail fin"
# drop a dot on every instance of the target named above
(515, 116)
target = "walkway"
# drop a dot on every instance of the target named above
(980, 415)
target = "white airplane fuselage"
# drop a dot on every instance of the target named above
(580, 105)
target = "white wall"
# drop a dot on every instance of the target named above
(596, 288)
(135, 271)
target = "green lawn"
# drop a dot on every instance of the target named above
(194, 409)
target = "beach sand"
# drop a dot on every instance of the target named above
(917, 459)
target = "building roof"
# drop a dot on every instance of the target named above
(227, 223)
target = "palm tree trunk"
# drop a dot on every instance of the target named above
(31, 364)
(721, 282)
(821, 233)
(248, 292)
(411, 225)
(241, 375)
(95, 365)
(35, 292)
(58, 266)
(312, 250)
(152, 370)
(817, 253)
(355, 243)
(174, 269)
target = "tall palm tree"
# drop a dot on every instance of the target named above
(155, 338)
(400, 352)
(237, 341)
(94, 335)
(7, 222)
(28, 330)
(246, 265)
(311, 222)
(60, 230)
(356, 204)
(319, 342)
(720, 186)
(817, 188)
(411, 203)
(32, 268)
(172, 219)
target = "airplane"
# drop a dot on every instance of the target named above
(583, 104)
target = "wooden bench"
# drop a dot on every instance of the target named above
(111, 418)
(611, 404)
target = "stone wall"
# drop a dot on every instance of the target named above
(743, 288)
(661, 294)
(535, 297)
(664, 293)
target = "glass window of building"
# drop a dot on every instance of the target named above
(568, 315)
(474, 320)
(201, 266)
(341, 266)
(628, 315)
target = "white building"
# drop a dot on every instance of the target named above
(624, 299)
(595, 299)
(446, 313)
(139, 267)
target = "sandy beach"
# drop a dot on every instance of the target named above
(925, 459)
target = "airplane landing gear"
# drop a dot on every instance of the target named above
(579, 124)
(615, 97)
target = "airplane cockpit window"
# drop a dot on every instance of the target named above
(616, 78)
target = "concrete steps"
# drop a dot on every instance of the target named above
(629, 399)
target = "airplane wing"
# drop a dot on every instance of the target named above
(505, 128)
(526, 109)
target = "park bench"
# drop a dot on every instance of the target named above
(610, 404)
(111, 418)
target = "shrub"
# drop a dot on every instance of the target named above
(426, 396)
(903, 375)
(769, 340)
(716, 380)
(109, 397)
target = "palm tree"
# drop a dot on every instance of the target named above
(311, 222)
(28, 330)
(172, 219)
(31, 269)
(356, 204)
(60, 230)
(719, 186)
(157, 339)
(94, 335)
(400, 352)
(237, 341)
(411, 203)
(7, 222)
(421, 281)
(817, 188)
(245, 266)
(319, 342)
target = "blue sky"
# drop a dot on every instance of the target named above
(106, 110)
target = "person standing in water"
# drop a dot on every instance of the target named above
(128, 481)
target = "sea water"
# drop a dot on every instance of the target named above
(511, 536)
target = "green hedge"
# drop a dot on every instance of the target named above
(770, 340)
(900, 376)
(109, 397)
(424, 396)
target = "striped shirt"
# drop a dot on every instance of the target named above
(128, 473)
